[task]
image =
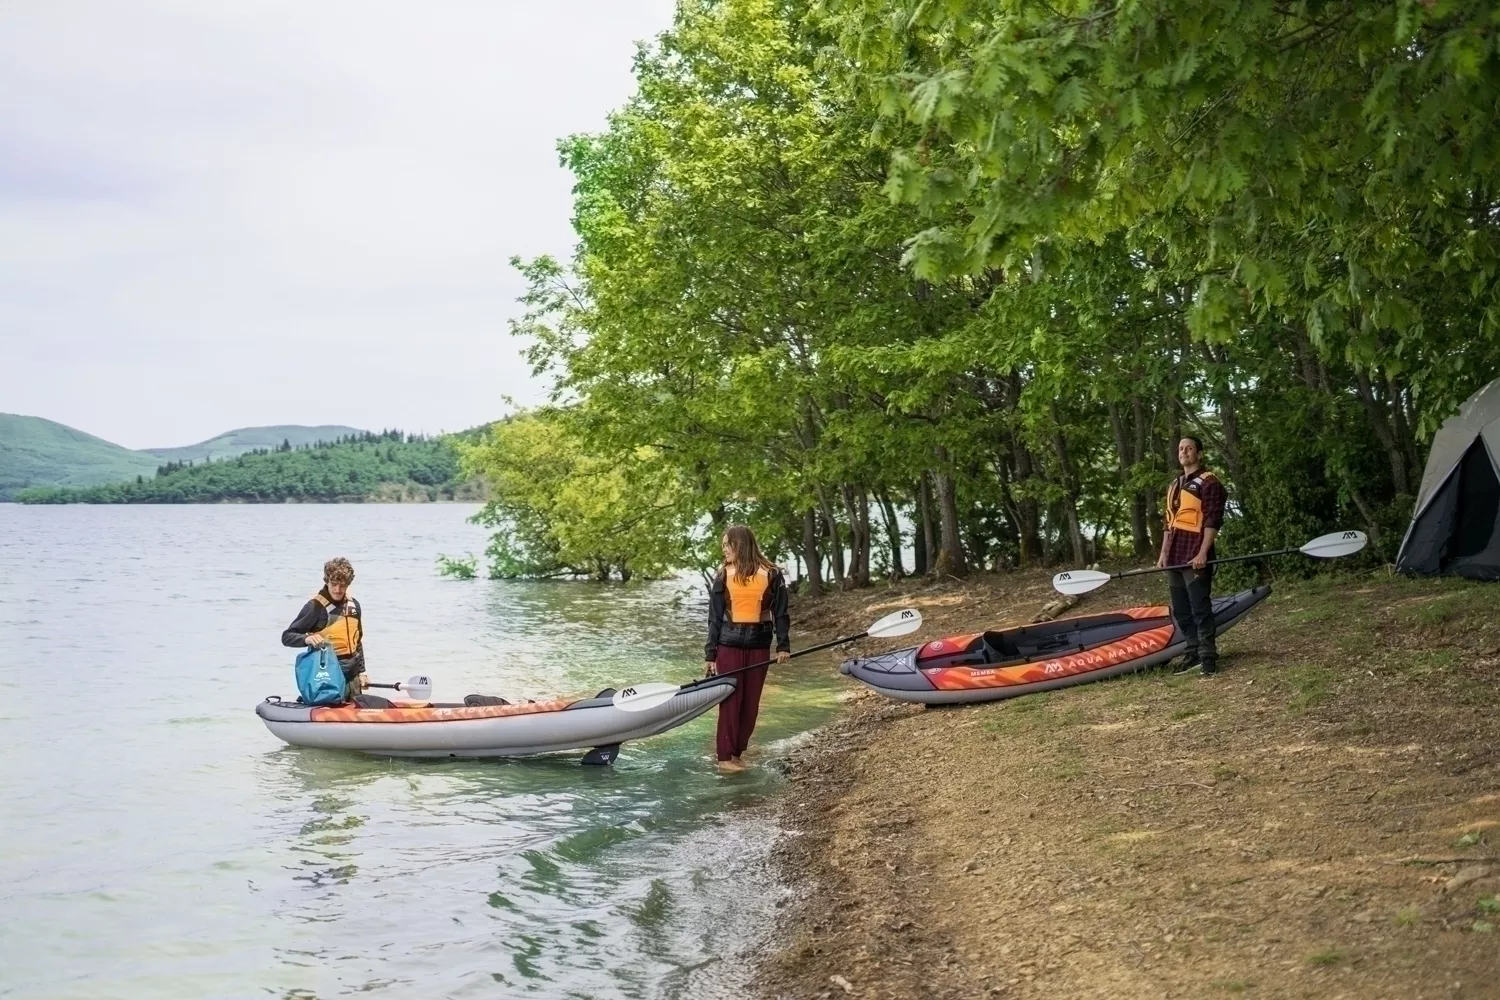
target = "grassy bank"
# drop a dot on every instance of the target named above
(1317, 821)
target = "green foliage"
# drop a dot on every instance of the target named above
(37, 452)
(979, 264)
(460, 569)
(561, 510)
(388, 465)
(246, 439)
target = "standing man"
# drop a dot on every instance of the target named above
(1195, 512)
(332, 616)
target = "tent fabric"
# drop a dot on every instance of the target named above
(1478, 415)
(1456, 527)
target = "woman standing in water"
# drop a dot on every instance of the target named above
(746, 610)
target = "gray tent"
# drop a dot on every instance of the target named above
(1456, 527)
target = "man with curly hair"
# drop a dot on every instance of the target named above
(332, 616)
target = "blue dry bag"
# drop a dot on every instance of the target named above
(320, 679)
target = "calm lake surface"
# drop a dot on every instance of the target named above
(157, 842)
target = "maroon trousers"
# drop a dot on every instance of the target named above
(737, 712)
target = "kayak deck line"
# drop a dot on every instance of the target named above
(435, 713)
(1006, 663)
(541, 727)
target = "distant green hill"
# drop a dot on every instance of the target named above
(245, 439)
(389, 466)
(34, 451)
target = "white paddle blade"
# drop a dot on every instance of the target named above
(1079, 581)
(896, 623)
(1335, 545)
(418, 688)
(644, 697)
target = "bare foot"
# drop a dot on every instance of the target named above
(732, 766)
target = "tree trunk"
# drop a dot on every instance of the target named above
(1029, 519)
(835, 543)
(1070, 484)
(1223, 393)
(1129, 449)
(950, 560)
(810, 555)
(892, 534)
(857, 507)
(926, 541)
(1393, 451)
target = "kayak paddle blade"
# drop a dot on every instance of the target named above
(417, 687)
(644, 697)
(1335, 545)
(1079, 581)
(896, 623)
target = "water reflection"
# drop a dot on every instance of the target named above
(159, 843)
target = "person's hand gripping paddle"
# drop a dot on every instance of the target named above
(1331, 546)
(641, 697)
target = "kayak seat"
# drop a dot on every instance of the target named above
(474, 700)
(606, 693)
(1000, 646)
(372, 701)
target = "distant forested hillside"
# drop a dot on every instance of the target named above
(237, 442)
(388, 466)
(34, 450)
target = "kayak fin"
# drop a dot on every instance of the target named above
(602, 755)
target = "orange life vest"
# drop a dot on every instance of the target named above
(343, 631)
(747, 599)
(1184, 504)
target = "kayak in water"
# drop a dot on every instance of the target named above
(987, 666)
(487, 730)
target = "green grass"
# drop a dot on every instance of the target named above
(1408, 916)
(1326, 958)
(38, 452)
(1488, 904)
(1423, 663)
(1036, 713)
(1310, 684)
(1469, 839)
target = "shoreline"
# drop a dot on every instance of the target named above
(1312, 822)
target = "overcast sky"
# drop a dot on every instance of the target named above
(217, 215)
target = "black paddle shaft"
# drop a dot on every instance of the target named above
(767, 663)
(1211, 562)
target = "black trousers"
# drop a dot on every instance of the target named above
(1193, 611)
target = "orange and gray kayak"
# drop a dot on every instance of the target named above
(459, 730)
(1004, 663)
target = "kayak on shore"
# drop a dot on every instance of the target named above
(459, 730)
(1005, 663)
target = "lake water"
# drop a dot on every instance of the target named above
(157, 842)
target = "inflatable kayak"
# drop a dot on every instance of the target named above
(440, 730)
(986, 666)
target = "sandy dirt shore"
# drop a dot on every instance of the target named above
(1320, 820)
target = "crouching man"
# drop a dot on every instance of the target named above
(332, 616)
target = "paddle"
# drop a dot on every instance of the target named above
(1330, 546)
(642, 697)
(417, 687)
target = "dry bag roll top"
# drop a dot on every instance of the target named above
(320, 679)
